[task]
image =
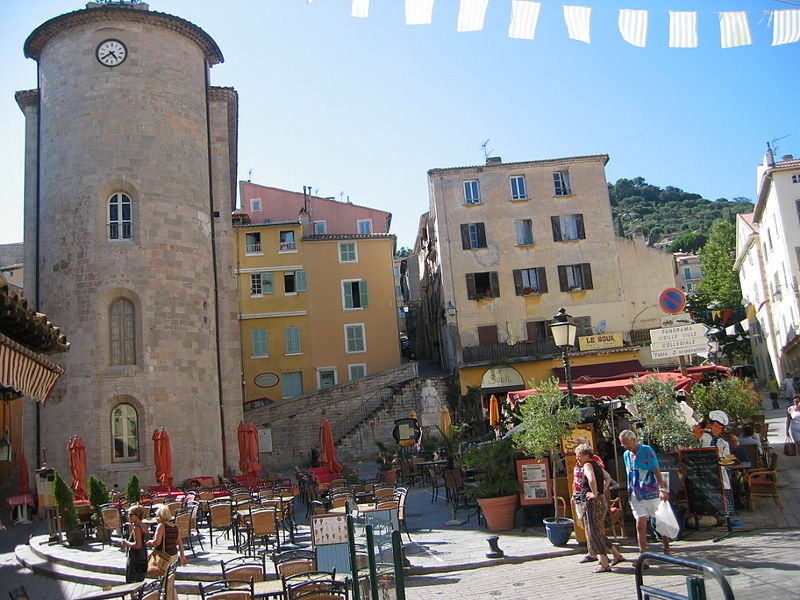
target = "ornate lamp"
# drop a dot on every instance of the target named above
(564, 332)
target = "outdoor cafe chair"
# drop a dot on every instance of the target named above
(149, 590)
(245, 568)
(219, 517)
(19, 593)
(227, 589)
(763, 482)
(336, 590)
(383, 492)
(308, 581)
(183, 521)
(262, 523)
(112, 518)
(292, 562)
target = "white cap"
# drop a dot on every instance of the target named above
(718, 416)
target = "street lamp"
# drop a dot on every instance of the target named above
(450, 311)
(564, 331)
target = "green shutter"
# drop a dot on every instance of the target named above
(267, 286)
(300, 281)
(347, 286)
(362, 290)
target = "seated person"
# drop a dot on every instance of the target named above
(742, 457)
(749, 437)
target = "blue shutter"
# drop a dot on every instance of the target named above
(347, 286)
(300, 281)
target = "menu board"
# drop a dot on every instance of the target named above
(584, 431)
(533, 475)
(703, 481)
(328, 529)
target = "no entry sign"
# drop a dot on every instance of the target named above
(672, 300)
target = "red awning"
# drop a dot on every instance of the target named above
(25, 371)
(600, 371)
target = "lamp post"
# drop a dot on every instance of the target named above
(564, 331)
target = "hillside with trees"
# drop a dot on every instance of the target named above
(640, 208)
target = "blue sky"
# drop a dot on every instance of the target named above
(364, 107)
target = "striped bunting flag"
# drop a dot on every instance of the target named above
(524, 17)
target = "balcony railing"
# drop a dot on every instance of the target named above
(254, 247)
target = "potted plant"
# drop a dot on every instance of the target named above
(133, 490)
(546, 416)
(496, 493)
(731, 395)
(99, 495)
(450, 442)
(387, 462)
(65, 503)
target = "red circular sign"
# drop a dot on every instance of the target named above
(672, 300)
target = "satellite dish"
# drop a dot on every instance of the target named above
(601, 326)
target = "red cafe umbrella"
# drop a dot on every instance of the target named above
(24, 476)
(77, 464)
(242, 435)
(162, 455)
(327, 451)
(254, 467)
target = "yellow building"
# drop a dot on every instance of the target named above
(316, 310)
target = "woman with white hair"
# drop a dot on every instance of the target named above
(167, 537)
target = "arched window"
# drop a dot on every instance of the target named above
(125, 433)
(119, 217)
(123, 330)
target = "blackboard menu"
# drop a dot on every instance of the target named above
(703, 481)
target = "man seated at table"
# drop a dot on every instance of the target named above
(741, 454)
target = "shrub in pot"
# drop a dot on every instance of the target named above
(99, 495)
(133, 489)
(65, 503)
(496, 492)
(386, 460)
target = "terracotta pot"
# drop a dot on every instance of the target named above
(500, 513)
(76, 537)
(389, 476)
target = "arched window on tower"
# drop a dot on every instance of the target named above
(125, 433)
(119, 217)
(122, 333)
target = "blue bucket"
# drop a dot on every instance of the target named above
(559, 530)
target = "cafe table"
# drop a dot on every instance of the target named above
(273, 588)
(117, 591)
(359, 508)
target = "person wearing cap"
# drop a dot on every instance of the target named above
(717, 421)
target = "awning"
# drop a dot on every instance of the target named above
(601, 370)
(23, 371)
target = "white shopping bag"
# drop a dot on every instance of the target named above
(666, 523)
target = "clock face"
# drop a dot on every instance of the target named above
(111, 53)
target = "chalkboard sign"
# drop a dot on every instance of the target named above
(703, 481)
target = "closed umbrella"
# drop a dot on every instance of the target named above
(24, 476)
(254, 466)
(242, 435)
(327, 451)
(77, 464)
(446, 420)
(494, 412)
(162, 455)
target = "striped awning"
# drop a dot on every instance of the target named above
(23, 371)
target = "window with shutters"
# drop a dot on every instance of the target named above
(354, 338)
(567, 227)
(293, 340)
(487, 335)
(253, 243)
(472, 192)
(519, 190)
(348, 252)
(292, 384)
(584, 325)
(261, 284)
(354, 294)
(482, 286)
(473, 235)
(524, 229)
(575, 278)
(530, 282)
(258, 343)
(537, 331)
(561, 183)
(356, 371)
(294, 281)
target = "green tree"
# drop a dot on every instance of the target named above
(720, 282)
(688, 242)
(133, 490)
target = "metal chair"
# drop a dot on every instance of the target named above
(19, 594)
(219, 517)
(183, 521)
(763, 482)
(227, 589)
(244, 568)
(293, 562)
(262, 523)
(309, 581)
(149, 590)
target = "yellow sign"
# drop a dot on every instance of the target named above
(600, 340)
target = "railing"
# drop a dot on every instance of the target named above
(348, 424)
(253, 248)
(287, 246)
(695, 585)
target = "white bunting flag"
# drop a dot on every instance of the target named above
(577, 20)
(524, 17)
(682, 29)
(419, 12)
(360, 8)
(734, 30)
(785, 27)
(633, 26)
(471, 14)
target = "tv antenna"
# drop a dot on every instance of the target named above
(485, 153)
(249, 175)
(773, 146)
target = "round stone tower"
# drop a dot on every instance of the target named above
(130, 178)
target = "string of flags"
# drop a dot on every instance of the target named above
(734, 27)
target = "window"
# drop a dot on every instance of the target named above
(364, 225)
(258, 343)
(287, 241)
(584, 325)
(292, 384)
(472, 192)
(561, 183)
(482, 285)
(294, 281)
(253, 243)
(567, 227)
(487, 335)
(769, 238)
(519, 190)
(473, 235)
(261, 283)
(687, 273)
(293, 340)
(347, 252)
(119, 217)
(689, 286)
(795, 178)
(354, 294)
(524, 232)
(255, 205)
(122, 332)
(357, 371)
(537, 331)
(528, 282)
(320, 227)
(125, 433)
(354, 338)
(574, 278)
(326, 377)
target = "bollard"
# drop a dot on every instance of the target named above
(496, 552)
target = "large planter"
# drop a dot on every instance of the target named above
(389, 476)
(558, 530)
(101, 534)
(500, 512)
(76, 537)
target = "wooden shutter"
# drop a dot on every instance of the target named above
(362, 290)
(494, 284)
(556, 223)
(579, 226)
(487, 335)
(541, 275)
(465, 242)
(481, 230)
(562, 278)
(300, 281)
(532, 330)
(586, 268)
(517, 281)
(347, 286)
(472, 294)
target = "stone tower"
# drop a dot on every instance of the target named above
(130, 171)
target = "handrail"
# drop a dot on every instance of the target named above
(353, 420)
(707, 566)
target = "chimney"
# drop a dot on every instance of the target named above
(787, 157)
(769, 158)
(493, 160)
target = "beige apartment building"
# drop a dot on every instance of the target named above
(507, 245)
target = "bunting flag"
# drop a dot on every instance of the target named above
(360, 8)
(419, 12)
(682, 29)
(524, 17)
(577, 20)
(785, 27)
(633, 26)
(471, 14)
(734, 30)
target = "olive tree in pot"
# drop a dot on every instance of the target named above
(386, 460)
(663, 424)
(65, 503)
(99, 495)
(546, 416)
(496, 493)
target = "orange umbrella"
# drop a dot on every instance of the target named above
(162, 455)
(77, 464)
(327, 451)
(24, 476)
(494, 412)
(446, 420)
(242, 435)
(254, 466)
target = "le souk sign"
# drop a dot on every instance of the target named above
(600, 341)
